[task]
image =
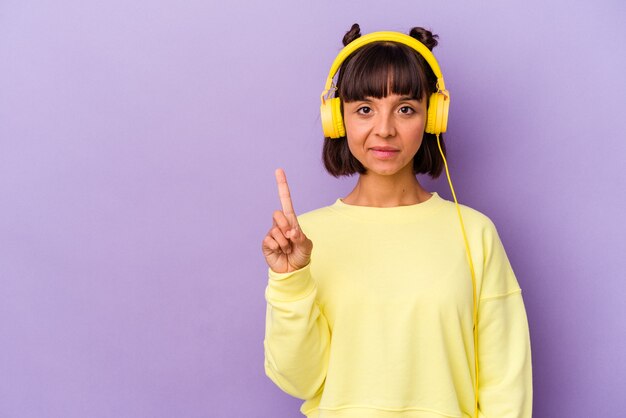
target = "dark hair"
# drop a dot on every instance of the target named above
(366, 72)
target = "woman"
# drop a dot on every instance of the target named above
(377, 317)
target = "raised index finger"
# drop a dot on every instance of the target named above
(285, 196)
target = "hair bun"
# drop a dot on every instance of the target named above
(424, 36)
(352, 34)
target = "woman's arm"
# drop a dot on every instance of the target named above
(297, 336)
(504, 355)
(505, 374)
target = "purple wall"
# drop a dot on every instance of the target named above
(138, 142)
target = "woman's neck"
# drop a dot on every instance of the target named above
(387, 191)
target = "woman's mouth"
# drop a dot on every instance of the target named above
(384, 153)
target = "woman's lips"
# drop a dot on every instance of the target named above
(384, 154)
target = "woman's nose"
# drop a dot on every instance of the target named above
(385, 125)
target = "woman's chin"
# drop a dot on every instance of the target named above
(387, 169)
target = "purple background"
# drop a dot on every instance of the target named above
(138, 142)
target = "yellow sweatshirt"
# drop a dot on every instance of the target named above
(379, 323)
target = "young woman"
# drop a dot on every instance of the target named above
(392, 301)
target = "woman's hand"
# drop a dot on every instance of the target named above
(285, 246)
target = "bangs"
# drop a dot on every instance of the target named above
(380, 69)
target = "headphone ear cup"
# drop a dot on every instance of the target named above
(445, 109)
(438, 120)
(432, 114)
(337, 118)
(326, 113)
(438, 107)
(332, 122)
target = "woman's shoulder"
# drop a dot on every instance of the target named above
(471, 216)
(319, 214)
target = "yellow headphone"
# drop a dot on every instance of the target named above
(436, 123)
(438, 105)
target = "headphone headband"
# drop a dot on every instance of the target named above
(384, 36)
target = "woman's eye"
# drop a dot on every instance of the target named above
(407, 110)
(364, 110)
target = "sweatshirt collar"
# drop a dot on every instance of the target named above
(395, 214)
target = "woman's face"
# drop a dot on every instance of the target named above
(385, 134)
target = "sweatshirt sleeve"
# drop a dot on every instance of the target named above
(297, 336)
(504, 355)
